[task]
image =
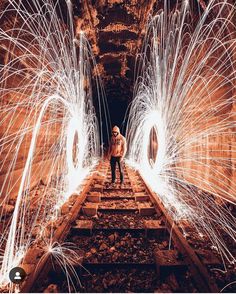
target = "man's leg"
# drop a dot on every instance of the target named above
(113, 169)
(120, 164)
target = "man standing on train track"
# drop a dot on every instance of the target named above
(116, 154)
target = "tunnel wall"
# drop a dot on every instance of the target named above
(213, 167)
(18, 118)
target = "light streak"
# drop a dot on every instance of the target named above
(184, 112)
(46, 82)
(228, 285)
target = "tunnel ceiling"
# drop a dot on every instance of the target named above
(115, 30)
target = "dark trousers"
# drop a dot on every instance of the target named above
(113, 162)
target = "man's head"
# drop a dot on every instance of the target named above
(115, 131)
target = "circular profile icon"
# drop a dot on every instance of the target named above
(17, 275)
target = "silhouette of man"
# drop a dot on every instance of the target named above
(117, 151)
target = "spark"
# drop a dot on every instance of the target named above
(66, 256)
(48, 118)
(181, 124)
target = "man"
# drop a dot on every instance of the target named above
(117, 151)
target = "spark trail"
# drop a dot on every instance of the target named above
(48, 123)
(181, 125)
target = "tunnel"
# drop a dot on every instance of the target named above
(117, 146)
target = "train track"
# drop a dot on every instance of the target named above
(126, 241)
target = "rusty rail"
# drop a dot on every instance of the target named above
(197, 268)
(43, 267)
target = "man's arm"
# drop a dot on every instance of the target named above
(109, 151)
(124, 148)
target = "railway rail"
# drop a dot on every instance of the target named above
(126, 242)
